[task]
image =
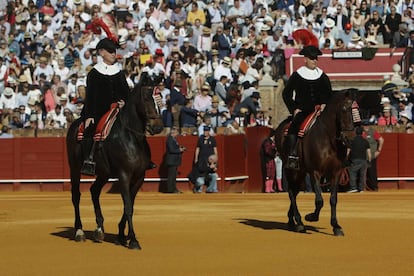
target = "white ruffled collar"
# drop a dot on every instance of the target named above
(106, 69)
(309, 74)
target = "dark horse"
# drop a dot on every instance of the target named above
(322, 152)
(123, 155)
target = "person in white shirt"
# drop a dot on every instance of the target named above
(8, 99)
(223, 69)
(155, 25)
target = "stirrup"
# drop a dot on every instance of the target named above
(293, 162)
(88, 167)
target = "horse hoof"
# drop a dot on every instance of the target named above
(300, 229)
(338, 232)
(134, 245)
(80, 235)
(98, 235)
(311, 217)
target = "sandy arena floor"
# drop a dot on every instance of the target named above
(209, 234)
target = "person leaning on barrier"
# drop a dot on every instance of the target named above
(205, 163)
(376, 143)
(359, 154)
(173, 160)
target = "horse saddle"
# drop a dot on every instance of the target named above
(306, 124)
(104, 125)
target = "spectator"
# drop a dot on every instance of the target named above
(386, 119)
(196, 13)
(375, 26)
(248, 108)
(392, 24)
(220, 89)
(173, 160)
(223, 69)
(177, 100)
(405, 106)
(376, 143)
(359, 154)
(8, 99)
(189, 115)
(268, 151)
(4, 133)
(205, 123)
(203, 99)
(404, 120)
(205, 163)
(219, 114)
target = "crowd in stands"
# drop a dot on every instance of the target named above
(211, 53)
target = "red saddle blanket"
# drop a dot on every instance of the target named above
(307, 123)
(104, 125)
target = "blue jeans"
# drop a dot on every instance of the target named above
(211, 183)
(358, 166)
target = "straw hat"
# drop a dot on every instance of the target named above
(227, 60)
(244, 40)
(329, 23)
(355, 37)
(8, 91)
(43, 60)
(160, 35)
(22, 79)
(61, 45)
(205, 87)
(206, 31)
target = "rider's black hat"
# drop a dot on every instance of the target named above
(106, 44)
(311, 52)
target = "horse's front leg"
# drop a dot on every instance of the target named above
(337, 229)
(128, 212)
(95, 190)
(316, 184)
(121, 238)
(76, 195)
(293, 190)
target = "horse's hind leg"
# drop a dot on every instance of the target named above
(337, 229)
(95, 190)
(318, 200)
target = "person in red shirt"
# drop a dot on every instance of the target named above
(387, 119)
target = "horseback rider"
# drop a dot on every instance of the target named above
(106, 85)
(312, 87)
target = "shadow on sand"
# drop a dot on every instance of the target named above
(69, 233)
(277, 225)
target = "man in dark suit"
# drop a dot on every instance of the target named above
(173, 160)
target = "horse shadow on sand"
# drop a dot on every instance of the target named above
(277, 225)
(69, 233)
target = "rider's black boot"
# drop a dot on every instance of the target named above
(88, 167)
(293, 159)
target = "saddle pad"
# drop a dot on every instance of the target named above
(306, 124)
(104, 125)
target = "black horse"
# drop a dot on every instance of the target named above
(322, 152)
(123, 155)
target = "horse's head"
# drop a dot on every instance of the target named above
(347, 110)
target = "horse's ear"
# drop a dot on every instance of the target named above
(353, 93)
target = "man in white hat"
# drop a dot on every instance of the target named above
(8, 99)
(311, 87)
(223, 69)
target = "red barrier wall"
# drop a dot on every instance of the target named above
(41, 163)
(353, 68)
